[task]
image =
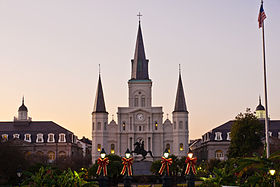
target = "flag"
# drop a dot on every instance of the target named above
(261, 17)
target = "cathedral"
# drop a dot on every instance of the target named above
(140, 122)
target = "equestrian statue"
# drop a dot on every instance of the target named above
(139, 149)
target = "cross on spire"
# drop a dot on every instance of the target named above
(180, 69)
(99, 69)
(139, 16)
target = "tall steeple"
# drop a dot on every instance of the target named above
(139, 69)
(99, 104)
(180, 102)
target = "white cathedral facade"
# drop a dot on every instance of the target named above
(140, 121)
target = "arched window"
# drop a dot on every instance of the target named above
(139, 127)
(5, 137)
(51, 137)
(123, 126)
(40, 138)
(218, 136)
(99, 126)
(51, 156)
(219, 155)
(143, 101)
(16, 136)
(112, 148)
(61, 137)
(136, 101)
(130, 123)
(130, 143)
(156, 125)
(93, 126)
(99, 147)
(181, 147)
(180, 125)
(61, 154)
(168, 147)
(27, 137)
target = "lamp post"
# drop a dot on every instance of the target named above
(19, 174)
(102, 169)
(127, 165)
(167, 180)
(272, 172)
(190, 169)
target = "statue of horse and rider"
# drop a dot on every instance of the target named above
(139, 149)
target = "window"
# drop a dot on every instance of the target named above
(278, 135)
(142, 101)
(130, 123)
(174, 125)
(181, 147)
(149, 120)
(50, 137)
(99, 147)
(139, 128)
(180, 125)
(62, 154)
(112, 148)
(228, 135)
(5, 137)
(156, 125)
(27, 137)
(136, 101)
(218, 136)
(168, 147)
(61, 137)
(16, 136)
(123, 126)
(40, 153)
(269, 133)
(219, 155)
(40, 138)
(186, 127)
(105, 126)
(93, 126)
(149, 144)
(51, 156)
(99, 126)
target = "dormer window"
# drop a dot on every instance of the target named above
(40, 138)
(228, 136)
(50, 137)
(16, 136)
(5, 137)
(27, 137)
(218, 136)
(61, 137)
(270, 133)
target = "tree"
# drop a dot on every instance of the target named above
(246, 134)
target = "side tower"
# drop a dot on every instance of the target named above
(260, 110)
(99, 123)
(180, 122)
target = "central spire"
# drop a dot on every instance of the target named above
(180, 102)
(139, 63)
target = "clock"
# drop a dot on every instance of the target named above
(140, 116)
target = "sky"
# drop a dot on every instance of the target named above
(50, 51)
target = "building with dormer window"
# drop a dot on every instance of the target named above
(39, 137)
(215, 143)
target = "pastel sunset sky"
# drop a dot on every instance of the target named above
(50, 51)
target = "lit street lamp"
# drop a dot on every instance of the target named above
(190, 169)
(103, 180)
(127, 165)
(272, 172)
(167, 180)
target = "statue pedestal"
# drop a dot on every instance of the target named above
(142, 167)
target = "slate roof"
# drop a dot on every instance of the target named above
(180, 102)
(33, 128)
(274, 127)
(99, 104)
(139, 63)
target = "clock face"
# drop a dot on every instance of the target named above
(140, 117)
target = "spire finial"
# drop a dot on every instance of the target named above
(167, 116)
(179, 69)
(23, 99)
(139, 16)
(260, 99)
(99, 69)
(112, 117)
